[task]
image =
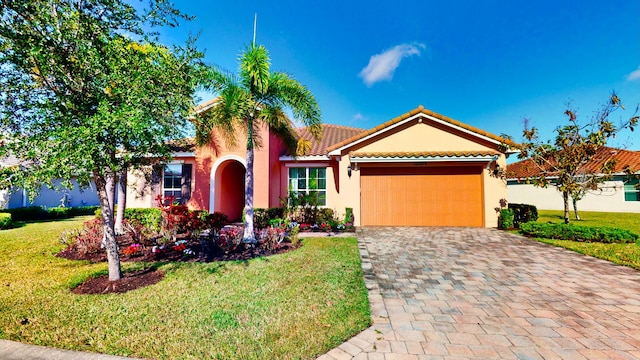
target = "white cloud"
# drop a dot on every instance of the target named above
(357, 116)
(382, 66)
(634, 75)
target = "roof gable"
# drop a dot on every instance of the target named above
(413, 114)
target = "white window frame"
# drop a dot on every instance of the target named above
(172, 190)
(307, 190)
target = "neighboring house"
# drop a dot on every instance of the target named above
(620, 194)
(46, 197)
(418, 169)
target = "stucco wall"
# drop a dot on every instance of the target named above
(425, 136)
(609, 198)
(52, 198)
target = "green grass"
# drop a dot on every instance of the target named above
(622, 254)
(628, 221)
(296, 305)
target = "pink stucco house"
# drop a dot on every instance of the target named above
(418, 169)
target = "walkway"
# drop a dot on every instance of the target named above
(445, 293)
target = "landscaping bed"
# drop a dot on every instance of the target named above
(295, 305)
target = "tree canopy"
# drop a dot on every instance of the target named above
(562, 163)
(86, 92)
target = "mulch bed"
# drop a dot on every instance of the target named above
(129, 281)
(138, 279)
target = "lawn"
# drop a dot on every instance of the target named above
(296, 305)
(622, 254)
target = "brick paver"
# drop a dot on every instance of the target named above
(450, 293)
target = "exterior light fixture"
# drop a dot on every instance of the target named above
(349, 170)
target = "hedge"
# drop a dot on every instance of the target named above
(578, 233)
(149, 217)
(523, 213)
(5, 221)
(39, 213)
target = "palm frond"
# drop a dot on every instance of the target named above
(292, 94)
(254, 69)
(281, 126)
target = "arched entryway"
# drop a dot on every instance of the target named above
(227, 186)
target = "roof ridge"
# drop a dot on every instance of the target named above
(420, 109)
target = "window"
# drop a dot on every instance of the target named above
(309, 181)
(631, 192)
(172, 182)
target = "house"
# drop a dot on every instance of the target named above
(418, 169)
(619, 194)
(47, 197)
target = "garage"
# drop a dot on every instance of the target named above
(422, 196)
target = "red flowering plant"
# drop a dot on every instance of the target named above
(325, 227)
(132, 249)
(178, 219)
(305, 227)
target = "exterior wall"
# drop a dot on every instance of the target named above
(52, 198)
(417, 137)
(139, 191)
(495, 193)
(609, 198)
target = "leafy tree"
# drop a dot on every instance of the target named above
(85, 90)
(563, 163)
(246, 102)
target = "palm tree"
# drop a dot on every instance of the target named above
(254, 98)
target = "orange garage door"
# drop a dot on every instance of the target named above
(421, 196)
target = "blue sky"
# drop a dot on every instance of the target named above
(489, 63)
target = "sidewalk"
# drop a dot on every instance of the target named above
(11, 350)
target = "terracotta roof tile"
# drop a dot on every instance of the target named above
(423, 154)
(527, 168)
(331, 134)
(420, 109)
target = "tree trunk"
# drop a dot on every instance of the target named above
(565, 197)
(110, 193)
(249, 236)
(575, 208)
(122, 201)
(111, 245)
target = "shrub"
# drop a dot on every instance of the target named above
(325, 215)
(293, 234)
(261, 217)
(27, 213)
(578, 233)
(82, 210)
(216, 220)
(59, 212)
(148, 217)
(523, 213)
(86, 240)
(5, 221)
(506, 219)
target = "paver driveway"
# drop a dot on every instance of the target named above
(445, 293)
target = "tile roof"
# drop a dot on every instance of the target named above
(331, 134)
(527, 168)
(422, 154)
(418, 110)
